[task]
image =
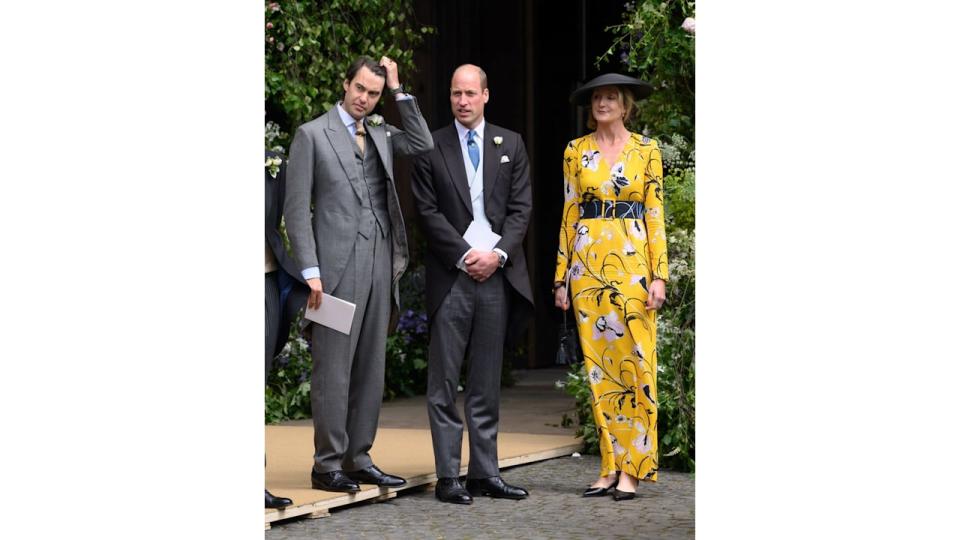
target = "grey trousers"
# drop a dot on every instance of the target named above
(470, 322)
(347, 378)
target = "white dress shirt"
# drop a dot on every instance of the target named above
(475, 180)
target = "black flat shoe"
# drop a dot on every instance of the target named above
(450, 490)
(373, 475)
(273, 501)
(598, 491)
(601, 491)
(333, 481)
(623, 495)
(495, 487)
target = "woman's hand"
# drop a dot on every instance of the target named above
(560, 298)
(657, 294)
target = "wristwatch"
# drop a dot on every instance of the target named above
(397, 90)
(503, 260)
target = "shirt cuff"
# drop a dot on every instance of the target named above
(402, 97)
(501, 252)
(310, 273)
(460, 264)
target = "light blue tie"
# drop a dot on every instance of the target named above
(473, 150)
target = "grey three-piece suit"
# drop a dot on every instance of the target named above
(356, 237)
(469, 319)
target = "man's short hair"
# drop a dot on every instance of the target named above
(480, 72)
(369, 63)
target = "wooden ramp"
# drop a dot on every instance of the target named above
(404, 452)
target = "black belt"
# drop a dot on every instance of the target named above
(611, 209)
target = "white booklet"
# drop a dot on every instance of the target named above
(333, 313)
(481, 236)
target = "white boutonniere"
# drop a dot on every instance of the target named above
(273, 166)
(375, 120)
(498, 140)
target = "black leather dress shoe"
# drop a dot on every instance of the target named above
(273, 501)
(623, 495)
(450, 490)
(373, 475)
(333, 481)
(495, 487)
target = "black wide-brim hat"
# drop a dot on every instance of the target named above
(639, 89)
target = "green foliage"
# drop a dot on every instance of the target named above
(651, 45)
(310, 44)
(676, 339)
(578, 385)
(407, 347)
(288, 387)
(679, 183)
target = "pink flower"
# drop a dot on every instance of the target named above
(689, 25)
(269, 25)
(273, 6)
(618, 449)
(643, 443)
(576, 271)
(583, 238)
(608, 326)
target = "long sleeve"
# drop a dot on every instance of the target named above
(296, 207)
(519, 203)
(654, 219)
(414, 139)
(571, 211)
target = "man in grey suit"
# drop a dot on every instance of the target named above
(477, 173)
(354, 246)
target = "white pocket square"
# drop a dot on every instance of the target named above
(504, 159)
(389, 134)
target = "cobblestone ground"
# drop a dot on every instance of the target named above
(555, 509)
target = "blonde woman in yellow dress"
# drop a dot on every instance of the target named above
(613, 254)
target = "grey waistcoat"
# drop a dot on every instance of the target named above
(375, 180)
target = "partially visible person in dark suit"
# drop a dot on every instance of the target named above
(286, 293)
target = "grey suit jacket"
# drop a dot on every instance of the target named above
(442, 194)
(322, 170)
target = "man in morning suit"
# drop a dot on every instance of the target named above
(286, 292)
(477, 172)
(354, 246)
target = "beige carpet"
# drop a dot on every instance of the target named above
(404, 452)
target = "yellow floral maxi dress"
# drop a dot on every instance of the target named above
(611, 262)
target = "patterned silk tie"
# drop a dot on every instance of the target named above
(473, 149)
(361, 137)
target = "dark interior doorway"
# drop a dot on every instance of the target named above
(535, 53)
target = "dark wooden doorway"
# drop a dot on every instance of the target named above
(535, 53)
